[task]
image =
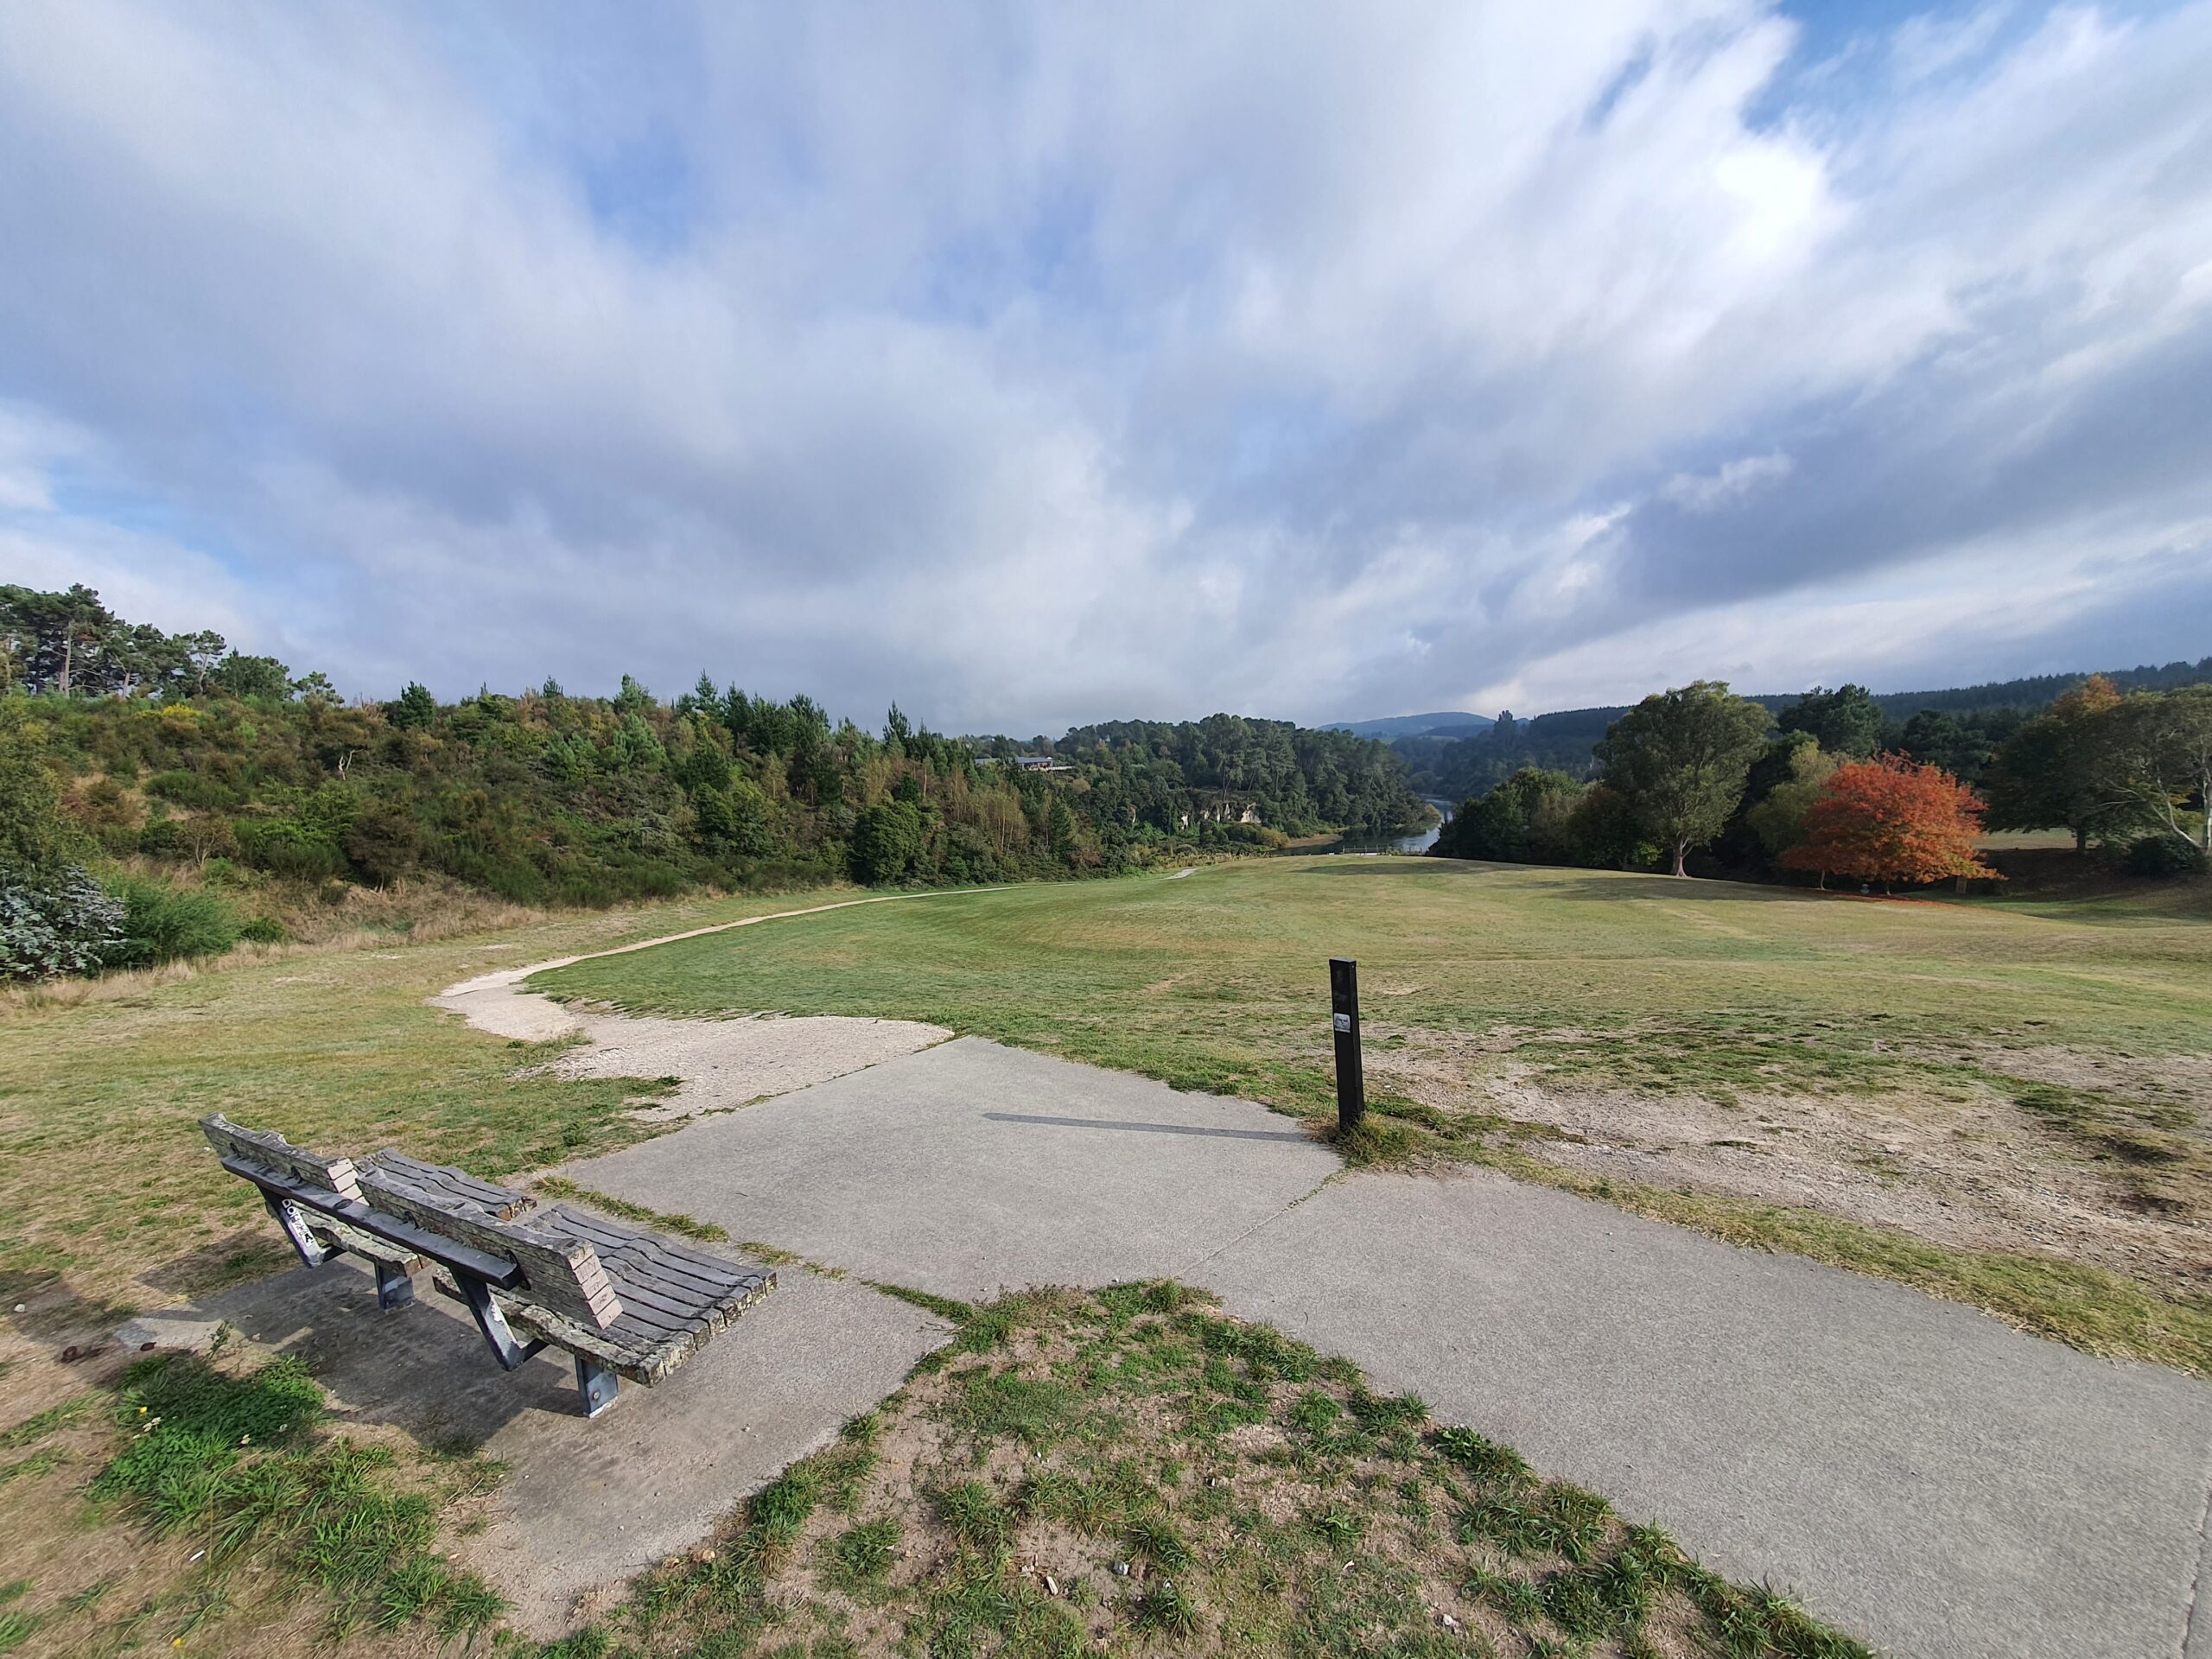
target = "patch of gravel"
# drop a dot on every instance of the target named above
(721, 1063)
(725, 1064)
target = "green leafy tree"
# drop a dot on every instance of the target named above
(1778, 820)
(316, 691)
(887, 842)
(240, 675)
(1935, 737)
(2069, 768)
(1680, 757)
(1845, 722)
(414, 710)
(2167, 740)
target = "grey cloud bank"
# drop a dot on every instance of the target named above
(1034, 366)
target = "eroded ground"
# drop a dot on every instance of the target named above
(2102, 1159)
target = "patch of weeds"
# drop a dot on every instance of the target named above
(944, 1307)
(37, 1464)
(860, 1555)
(229, 1456)
(1265, 1352)
(1377, 1140)
(54, 1419)
(1154, 1537)
(91, 1595)
(984, 1330)
(1316, 1412)
(559, 1187)
(2050, 1102)
(1036, 1411)
(974, 1514)
(1165, 1607)
(781, 1509)
(1338, 1525)
(1517, 1597)
(1483, 1456)
(974, 1599)
(768, 1255)
(17, 1628)
(1102, 1503)
(1125, 1302)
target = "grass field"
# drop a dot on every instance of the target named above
(2003, 1101)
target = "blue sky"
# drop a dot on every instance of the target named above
(1034, 364)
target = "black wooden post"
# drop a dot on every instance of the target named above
(1351, 1080)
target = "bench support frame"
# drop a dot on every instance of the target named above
(598, 1385)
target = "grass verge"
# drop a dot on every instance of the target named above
(221, 1515)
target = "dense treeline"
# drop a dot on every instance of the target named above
(173, 749)
(1229, 768)
(1831, 784)
(1957, 729)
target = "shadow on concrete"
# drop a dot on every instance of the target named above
(1145, 1128)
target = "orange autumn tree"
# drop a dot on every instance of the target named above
(1889, 820)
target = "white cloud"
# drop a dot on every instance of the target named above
(1035, 364)
(1710, 491)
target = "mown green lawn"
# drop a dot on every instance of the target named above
(1220, 980)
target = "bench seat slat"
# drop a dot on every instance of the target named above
(457, 1185)
(563, 1272)
(644, 1257)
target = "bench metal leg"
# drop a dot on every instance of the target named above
(597, 1384)
(493, 1323)
(394, 1285)
(311, 1250)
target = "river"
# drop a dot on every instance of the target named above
(1414, 843)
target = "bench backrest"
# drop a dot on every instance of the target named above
(561, 1273)
(274, 1152)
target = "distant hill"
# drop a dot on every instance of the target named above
(1454, 724)
(2031, 693)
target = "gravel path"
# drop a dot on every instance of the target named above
(723, 1064)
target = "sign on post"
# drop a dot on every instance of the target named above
(1351, 1080)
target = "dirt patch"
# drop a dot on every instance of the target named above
(2109, 1164)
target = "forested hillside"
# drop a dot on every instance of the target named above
(1957, 728)
(228, 769)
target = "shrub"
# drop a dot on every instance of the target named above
(287, 847)
(263, 929)
(165, 923)
(2162, 856)
(193, 789)
(60, 924)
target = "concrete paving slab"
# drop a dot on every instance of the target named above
(969, 1168)
(1917, 1471)
(589, 1503)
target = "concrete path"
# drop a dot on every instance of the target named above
(1916, 1471)
(586, 1504)
(969, 1169)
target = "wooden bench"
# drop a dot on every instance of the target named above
(623, 1302)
